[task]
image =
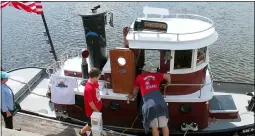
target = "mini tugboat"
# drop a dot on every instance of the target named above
(197, 104)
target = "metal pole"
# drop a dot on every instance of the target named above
(48, 34)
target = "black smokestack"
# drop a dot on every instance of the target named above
(94, 26)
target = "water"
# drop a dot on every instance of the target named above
(23, 42)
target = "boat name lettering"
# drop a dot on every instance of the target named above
(248, 130)
(153, 25)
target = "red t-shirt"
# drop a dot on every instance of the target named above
(148, 82)
(91, 94)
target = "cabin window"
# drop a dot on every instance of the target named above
(182, 59)
(201, 55)
(121, 61)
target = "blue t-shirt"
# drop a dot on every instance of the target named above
(7, 98)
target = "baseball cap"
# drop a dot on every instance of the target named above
(147, 67)
(4, 74)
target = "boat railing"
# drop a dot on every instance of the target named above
(55, 66)
(29, 88)
(210, 73)
(200, 91)
(177, 35)
(201, 85)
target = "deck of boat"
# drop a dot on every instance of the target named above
(35, 101)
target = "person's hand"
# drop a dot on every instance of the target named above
(131, 96)
(8, 114)
(166, 85)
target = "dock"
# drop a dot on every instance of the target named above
(9, 132)
(38, 126)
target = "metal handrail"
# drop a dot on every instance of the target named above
(210, 72)
(201, 85)
(195, 84)
(200, 92)
(53, 67)
(188, 84)
(131, 31)
(65, 56)
(29, 87)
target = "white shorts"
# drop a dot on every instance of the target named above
(159, 122)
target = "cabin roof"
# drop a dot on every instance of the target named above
(184, 31)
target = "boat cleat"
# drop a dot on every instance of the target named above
(61, 115)
(192, 126)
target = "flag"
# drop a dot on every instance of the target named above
(32, 7)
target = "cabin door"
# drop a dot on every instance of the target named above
(122, 70)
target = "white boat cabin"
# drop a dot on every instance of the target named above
(184, 36)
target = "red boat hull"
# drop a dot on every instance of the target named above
(199, 114)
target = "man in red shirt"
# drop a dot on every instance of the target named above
(92, 100)
(155, 109)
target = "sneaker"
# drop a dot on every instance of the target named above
(18, 129)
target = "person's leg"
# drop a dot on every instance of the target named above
(163, 124)
(86, 127)
(154, 127)
(165, 131)
(4, 116)
(155, 132)
(8, 121)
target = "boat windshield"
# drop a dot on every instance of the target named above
(182, 59)
(201, 55)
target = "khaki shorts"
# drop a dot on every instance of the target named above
(159, 122)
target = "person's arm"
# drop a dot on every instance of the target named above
(4, 104)
(90, 99)
(135, 90)
(167, 77)
(93, 106)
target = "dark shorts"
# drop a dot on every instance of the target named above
(89, 122)
(8, 120)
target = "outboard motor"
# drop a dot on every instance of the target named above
(94, 26)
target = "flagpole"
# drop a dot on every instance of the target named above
(48, 34)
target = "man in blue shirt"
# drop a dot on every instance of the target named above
(7, 101)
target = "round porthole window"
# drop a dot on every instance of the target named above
(186, 108)
(121, 61)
